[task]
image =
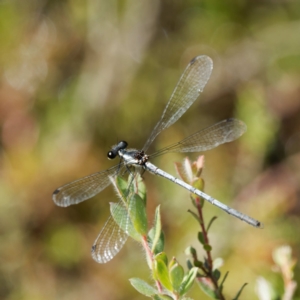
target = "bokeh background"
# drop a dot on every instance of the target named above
(78, 76)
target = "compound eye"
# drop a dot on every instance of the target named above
(123, 145)
(111, 155)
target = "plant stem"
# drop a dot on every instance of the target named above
(208, 271)
(149, 255)
(205, 235)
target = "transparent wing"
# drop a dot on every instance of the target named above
(187, 90)
(117, 228)
(110, 240)
(208, 138)
(84, 188)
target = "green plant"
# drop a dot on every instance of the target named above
(284, 265)
(171, 281)
(208, 275)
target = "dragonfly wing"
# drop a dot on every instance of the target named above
(208, 138)
(187, 90)
(223, 132)
(112, 237)
(84, 188)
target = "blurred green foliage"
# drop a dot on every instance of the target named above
(78, 76)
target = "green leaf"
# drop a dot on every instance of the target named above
(207, 247)
(176, 274)
(134, 185)
(161, 273)
(207, 287)
(143, 287)
(190, 251)
(194, 214)
(210, 222)
(239, 292)
(160, 243)
(163, 256)
(198, 183)
(201, 238)
(120, 215)
(173, 262)
(139, 187)
(222, 282)
(133, 195)
(189, 264)
(156, 228)
(138, 214)
(198, 263)
(188, 281)
(216, 274)
(121, 186)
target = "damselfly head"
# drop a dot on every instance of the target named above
(115, 149)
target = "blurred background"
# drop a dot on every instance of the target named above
(78, 76)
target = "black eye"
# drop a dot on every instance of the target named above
(111, 155)
(122, 145)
